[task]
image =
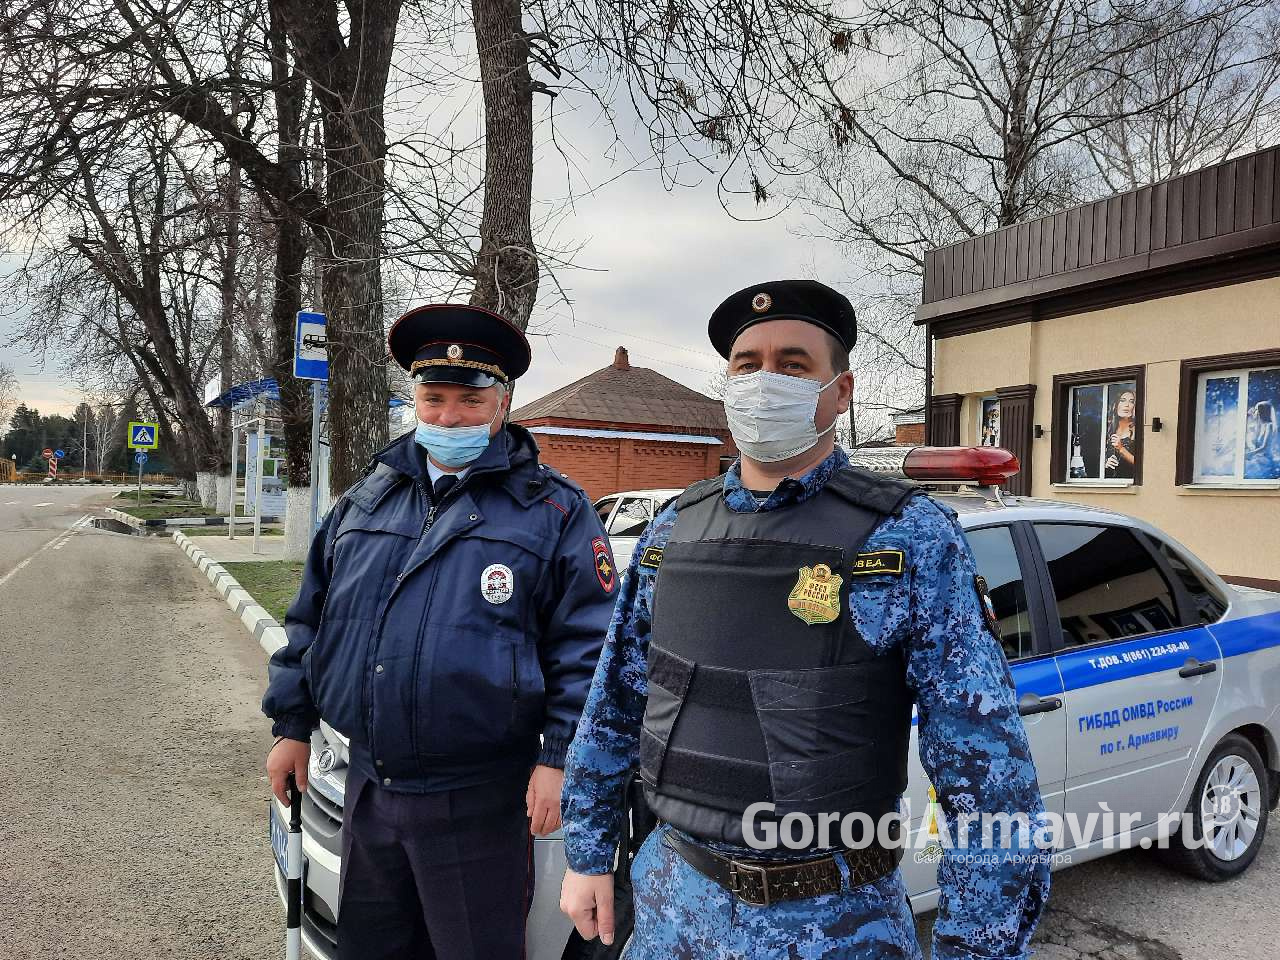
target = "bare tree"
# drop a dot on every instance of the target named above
(104, 427)
(975, 115)
(1196, 96)
(8, 394)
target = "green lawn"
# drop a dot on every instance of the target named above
(273, 583)
(165, 509)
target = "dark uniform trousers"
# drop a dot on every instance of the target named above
(435, 876)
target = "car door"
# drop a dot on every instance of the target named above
(1141, 676)
(1002, 553)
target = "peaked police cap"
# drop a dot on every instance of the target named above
(456, 343)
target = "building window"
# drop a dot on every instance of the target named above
(989, 422)
(1237, 426)
(1098, 427)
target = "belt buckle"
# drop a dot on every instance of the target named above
(737, 870)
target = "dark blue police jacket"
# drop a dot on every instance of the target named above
(444, 644)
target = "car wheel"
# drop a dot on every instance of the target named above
(1228, 810)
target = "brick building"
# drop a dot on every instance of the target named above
(908, 428)
(629, 428)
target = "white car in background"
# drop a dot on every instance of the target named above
(625, 515)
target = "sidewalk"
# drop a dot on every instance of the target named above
(209, 558)
(240, 550)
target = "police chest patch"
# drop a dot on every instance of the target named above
(878, 562)
(651, 558)
(603, 561)
(497, 583)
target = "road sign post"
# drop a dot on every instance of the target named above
(311, 362)
(259, 456)
(140, 458)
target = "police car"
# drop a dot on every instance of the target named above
(1147, 684)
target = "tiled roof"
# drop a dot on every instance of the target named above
(634, 395)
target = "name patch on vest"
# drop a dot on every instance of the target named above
(651, 558)
(816, 596)
(878, 561)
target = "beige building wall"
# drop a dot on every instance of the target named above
(1237, 531)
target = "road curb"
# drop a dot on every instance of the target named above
(138, 524)
(260, 624)
(127, 518)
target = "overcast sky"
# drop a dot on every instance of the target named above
(656, 263)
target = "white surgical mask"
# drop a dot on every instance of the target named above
(771, 414)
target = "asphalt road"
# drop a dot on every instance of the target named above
(134, 816)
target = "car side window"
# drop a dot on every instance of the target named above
(632, 517)
(1209, 606)
(1107, 585)
(998, 564)
(604, 508)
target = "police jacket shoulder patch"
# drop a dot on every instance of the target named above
(988, 608)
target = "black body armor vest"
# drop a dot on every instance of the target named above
(760, 688)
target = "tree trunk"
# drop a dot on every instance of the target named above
(352, 290)
(227, 290)
(350, 78)
(506, 279)
(291, 253)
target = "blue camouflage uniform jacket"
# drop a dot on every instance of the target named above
(444, 643)
(971, 739)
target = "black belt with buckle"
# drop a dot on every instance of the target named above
(763, 882)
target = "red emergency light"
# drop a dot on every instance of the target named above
(979, 466)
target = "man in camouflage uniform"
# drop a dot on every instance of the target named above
(804, 697)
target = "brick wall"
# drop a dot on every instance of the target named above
(603, 466)
(909, 435)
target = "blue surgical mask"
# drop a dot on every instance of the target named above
(454, 446)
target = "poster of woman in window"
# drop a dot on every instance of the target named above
(1262, 432)
(1122, 437)
(1104, 437)
(1238, 426)
(989, 422)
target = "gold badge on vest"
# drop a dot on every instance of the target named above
(816, 596)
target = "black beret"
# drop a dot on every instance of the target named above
(805, 300)
(454, 343)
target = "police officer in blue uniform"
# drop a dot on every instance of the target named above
(450, 616)
(773, 630)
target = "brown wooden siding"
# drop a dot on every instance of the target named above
(1219, 201)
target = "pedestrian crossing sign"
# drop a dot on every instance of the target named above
(143, 436)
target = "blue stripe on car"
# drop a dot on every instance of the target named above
(1108, 662)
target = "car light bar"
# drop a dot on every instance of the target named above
(980, 466)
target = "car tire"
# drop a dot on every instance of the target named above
(1232, 785)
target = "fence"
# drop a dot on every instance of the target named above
(75, 476)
